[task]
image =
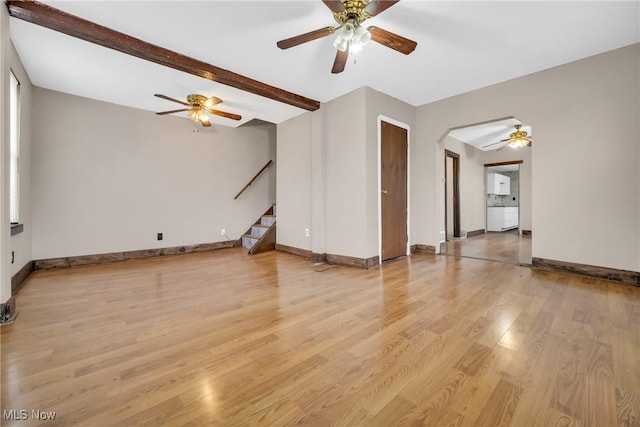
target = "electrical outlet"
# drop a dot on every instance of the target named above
(306, 232)
(223, 232)
(159, 236)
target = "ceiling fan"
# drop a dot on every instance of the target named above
(350, 14)
(517, 139)
(199, 106)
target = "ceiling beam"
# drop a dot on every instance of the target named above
(57, 20)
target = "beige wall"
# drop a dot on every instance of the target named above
(585, 175)
(328, 173)
(107, 178)
(346, 189)
(294, 181)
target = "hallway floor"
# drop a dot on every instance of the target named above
(507, 246)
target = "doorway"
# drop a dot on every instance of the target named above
(452, 195)
(394, 206)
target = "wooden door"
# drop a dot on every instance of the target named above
(393, 180)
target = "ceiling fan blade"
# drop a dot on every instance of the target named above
(378, 6)
(306, 37)
(205, 123)
(171, 99)
(340, 61)
(393, 41)
(210, 102)
(172, 111)
(225, 114)
(336, 6)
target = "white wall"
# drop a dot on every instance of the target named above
(294, 182)
(585, 115)
(107, 178)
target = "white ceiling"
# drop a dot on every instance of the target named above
(461, 46)
(487, 136)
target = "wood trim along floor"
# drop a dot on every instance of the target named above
(293, 250)
(329, 258)
(616, 275)
(350, 261)
(18, 279)
(526, 232)
(46, 264)
(476, 232)
(423, 249)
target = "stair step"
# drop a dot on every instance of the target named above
(267, 220)
(249, 240)
(259, 230)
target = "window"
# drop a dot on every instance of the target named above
(14, 144)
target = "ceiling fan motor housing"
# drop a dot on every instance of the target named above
(353, 11)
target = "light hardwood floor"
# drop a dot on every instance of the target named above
(224, 338)
(507, 246)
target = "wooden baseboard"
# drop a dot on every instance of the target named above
(46, 264)
(352, 261)
(476, 232)
(18, 279)
(294, 251)
(623, 276)
(423, 249)
(526, 232)
(8, 310)
(318, 258)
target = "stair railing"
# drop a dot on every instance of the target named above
(253, 179)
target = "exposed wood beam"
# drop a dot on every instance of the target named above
(57, 20)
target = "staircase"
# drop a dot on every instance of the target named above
(261, 237)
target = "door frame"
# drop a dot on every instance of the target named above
(456, 193)
(382, 118)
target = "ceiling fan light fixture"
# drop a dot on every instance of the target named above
(340, 43)
(362, 36)
(348, 31)
(518, 143)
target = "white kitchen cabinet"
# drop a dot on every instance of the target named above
(498, 184)
(501, 218)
